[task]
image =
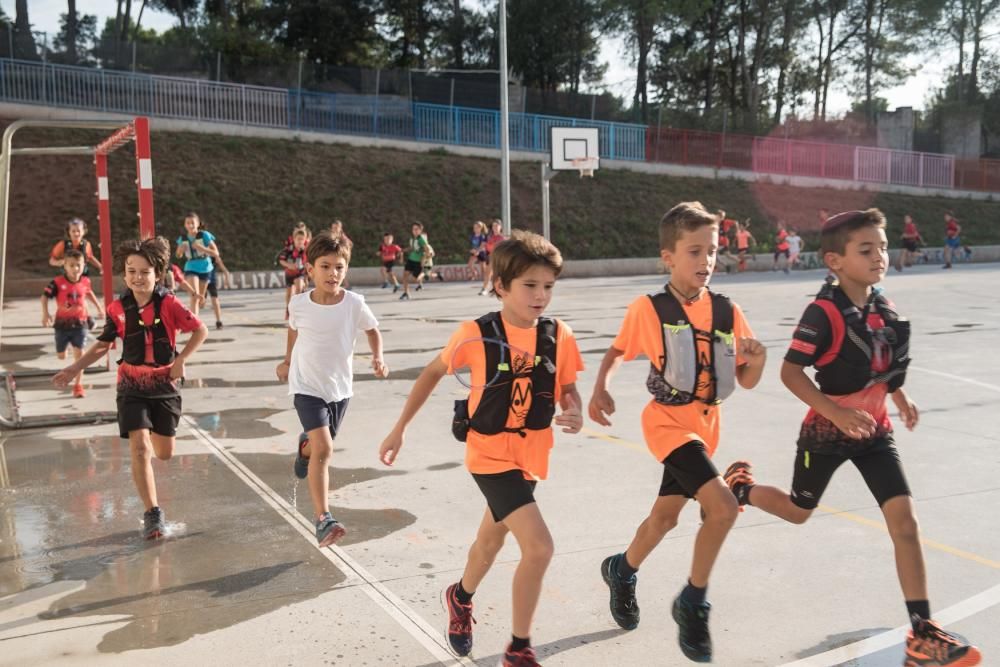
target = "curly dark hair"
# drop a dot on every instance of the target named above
(154, 250)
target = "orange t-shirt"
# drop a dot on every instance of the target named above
(60, 248)
(668, 427)
(487, 454)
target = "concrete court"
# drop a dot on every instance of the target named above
(241, 582)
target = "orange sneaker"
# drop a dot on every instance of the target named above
(78, 391)
(739, 479)
(929, 645)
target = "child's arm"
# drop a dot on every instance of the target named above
(571, 418)
(198, 337)
(601, 403)
(211, 249)
(95, 263)
(56, 261)
(375, 343)
(421, 390)
(93, 353)
(46, 318)
(189, 288)
(180, 248)
(908, 411)
(755, 354)
(282, 369)
(97, 304)
(855, 423)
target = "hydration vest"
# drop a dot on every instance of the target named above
(491, 414)
(675, 382)
(859, 355)
(199, 236)
(136, 333)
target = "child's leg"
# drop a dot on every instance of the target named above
(318, 450)
(901, 520)
(217, 307)
(811, 475)
(533, 537)
(142, 466)
(482, 553)
(288, 295)
(77, 353)
(721, 511)
(196, 285)
(661, 520)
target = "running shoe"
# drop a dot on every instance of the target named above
(218, 324)
(418, 287)
(441, 278)
(692, 623)
(739, 479)
(928, 645)
(384, 285)
(624, 608)
(395, 288)
(152, 524)
(328, 530)
(78, 391)
(404, 297)
(460, 622)
(483, 292)
(523, 658)
(301, 466)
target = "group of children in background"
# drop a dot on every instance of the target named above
(699, 345)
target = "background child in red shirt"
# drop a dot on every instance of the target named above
(72, 321)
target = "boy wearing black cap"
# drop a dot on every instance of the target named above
(860, 348)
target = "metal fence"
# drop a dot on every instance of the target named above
(397, 117)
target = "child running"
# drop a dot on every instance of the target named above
(953, 239)
(76, 230)
(413, 266)
(293, 261)
(196, 245)
(744, 241)
(848, 419)
(507, 446)
(495, 237)
(427, 264)
(147, 318)
(72, 321)
(699, 346)
(389, 253)
(781, 247)
(794, 248)
(477, 250)
(911, 243)
(322, 326)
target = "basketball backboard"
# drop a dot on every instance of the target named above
(581, 144)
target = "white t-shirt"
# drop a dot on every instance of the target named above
(794, 244)
(323, 355)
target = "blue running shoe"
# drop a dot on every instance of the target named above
(302, 462)
(328, 530)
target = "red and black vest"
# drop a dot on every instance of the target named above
(491, 414)
(859, 355)
(137, 334)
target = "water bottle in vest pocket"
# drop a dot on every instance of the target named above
(679, 362)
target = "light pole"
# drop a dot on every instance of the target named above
(504, 130)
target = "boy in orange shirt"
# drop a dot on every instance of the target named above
(507, 427)
(699, 346)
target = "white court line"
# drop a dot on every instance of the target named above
(985, 385)
(890, 638)
(427, 636)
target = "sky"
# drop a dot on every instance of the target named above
(620, 78)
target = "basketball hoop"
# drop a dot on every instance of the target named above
(585, 165)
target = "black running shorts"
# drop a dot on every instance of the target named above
(878, 464)
(686, 469)
(414, 268)
(159, 415)
(505, 492)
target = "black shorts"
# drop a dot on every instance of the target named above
(505, 492)
(316, 413)
(159, 415)
(65, 337)
(482, 257)
(879, 465)
(290, 280)
(686, 469)
(414, 268)
(910, 245)
(779, 253)
(388, 265)
(213, 287)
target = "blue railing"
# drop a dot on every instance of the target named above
(31, 82)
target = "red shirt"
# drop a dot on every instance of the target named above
(493, 240)
(782, 243)
(148, 380)
(951, 229)
(71, 309)
(389, 252)
(296, 257)
(910, 230)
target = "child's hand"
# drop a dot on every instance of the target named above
(177, 370)
(857, 424)
(601, 404)
(753, 351)
(201, 300)
(908, 411)
(380, 367)
(390, 447)
(571, 418)
(282, 372)
(47, 320)
(62, 378)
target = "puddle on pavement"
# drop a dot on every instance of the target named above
(210, 383)
(71, 514)
(238, 423)
(12, 353)
(394, 374)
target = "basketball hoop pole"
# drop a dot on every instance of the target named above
(504, 129)
(547, 175)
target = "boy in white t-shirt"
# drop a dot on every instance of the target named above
(322, 326)
(794, 248)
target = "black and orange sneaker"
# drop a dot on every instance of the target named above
(624, 608)
(739, 479)
(929, 645)
(692, 624)
(153, 526)
(460, 622)
(523, 658)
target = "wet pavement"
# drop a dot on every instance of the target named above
(239, 581)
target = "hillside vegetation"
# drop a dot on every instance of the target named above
(251, 191)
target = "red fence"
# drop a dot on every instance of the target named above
(977, 175)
